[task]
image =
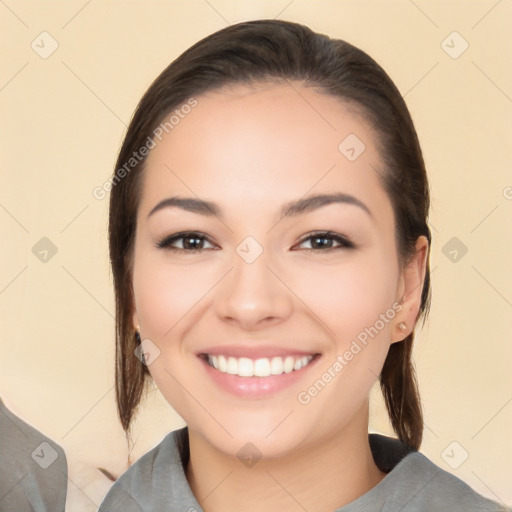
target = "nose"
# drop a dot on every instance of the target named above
(252, 296)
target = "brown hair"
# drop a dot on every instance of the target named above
(273, 50)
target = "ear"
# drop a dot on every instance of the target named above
(410, 289)
(135, 320)
(135, 317)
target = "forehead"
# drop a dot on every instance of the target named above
(266, 141)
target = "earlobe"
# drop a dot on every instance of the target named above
(410, 290)
(135, 320)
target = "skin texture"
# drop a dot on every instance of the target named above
(251, 149)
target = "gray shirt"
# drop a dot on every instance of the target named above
(157, 482)
(33, 468)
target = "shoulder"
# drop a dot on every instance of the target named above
(422, 485)
(413, 483)
(154, 481)
(33, 468)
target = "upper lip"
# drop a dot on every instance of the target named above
(254, 352)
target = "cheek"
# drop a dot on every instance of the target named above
(356, 304)
(348, 297)
(165, 297)
(165, 293)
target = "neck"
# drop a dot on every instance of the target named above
(323, 477)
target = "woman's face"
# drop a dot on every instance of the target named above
(257, 289)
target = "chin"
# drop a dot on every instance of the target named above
(267, 436)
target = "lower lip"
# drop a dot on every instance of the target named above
(256, 387)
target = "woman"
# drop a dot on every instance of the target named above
(269, 245)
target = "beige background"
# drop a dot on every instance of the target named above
(63, 119)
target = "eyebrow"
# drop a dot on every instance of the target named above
(290, 209)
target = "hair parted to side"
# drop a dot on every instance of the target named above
(262, 51)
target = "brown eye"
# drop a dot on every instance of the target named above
(327, 241)
(189, 241)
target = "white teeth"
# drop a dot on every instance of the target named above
(222, 365)
(288, 364)
(232, 366)
(263, 367)
(276, 366)
(245, 367)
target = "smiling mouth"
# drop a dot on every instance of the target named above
(262, 367)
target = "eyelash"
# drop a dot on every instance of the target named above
(344, 242)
